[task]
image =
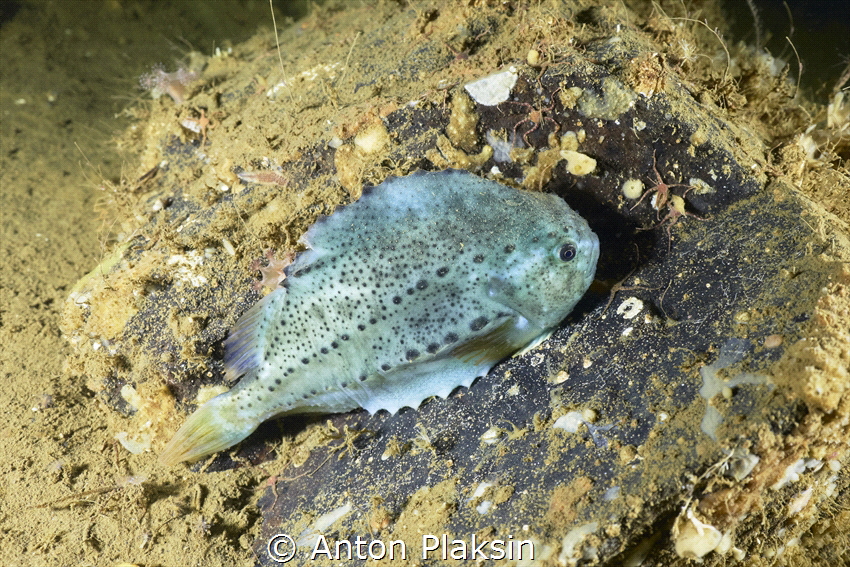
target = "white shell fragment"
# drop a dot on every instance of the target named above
(569, 422)
(310, 536)
(630, 308)
(741, 463)
(493, 89)
(573, 547)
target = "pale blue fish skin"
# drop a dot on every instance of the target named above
(419, 287)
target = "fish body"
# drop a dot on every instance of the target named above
(420, 286)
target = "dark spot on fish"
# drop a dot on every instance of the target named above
(396, 299)
(412, 354)
(509, 248)
(385, 367)
(432, 348)
(442, 271)
(421, 284)
(478, 258)
(478, 324)
(450, 338)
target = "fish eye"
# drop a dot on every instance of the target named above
(567, 252)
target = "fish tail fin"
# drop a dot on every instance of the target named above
(210, 429)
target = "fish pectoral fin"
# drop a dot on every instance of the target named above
(493, 345)
(504, 293)
(533, 344)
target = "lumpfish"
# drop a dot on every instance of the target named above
(420, 286)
